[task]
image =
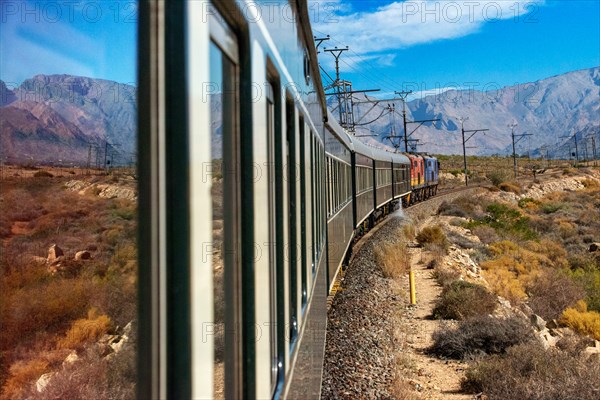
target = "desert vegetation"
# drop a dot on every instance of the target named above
(63, 303)
(540, 254)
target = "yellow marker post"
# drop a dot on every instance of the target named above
(413, 291)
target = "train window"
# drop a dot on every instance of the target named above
(273, 234)
(224, 191)
(303, 241)
(292, 245)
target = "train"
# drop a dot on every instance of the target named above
(250, 198)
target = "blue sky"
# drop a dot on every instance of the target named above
(422, 45)
(427, 45)
(87, 38)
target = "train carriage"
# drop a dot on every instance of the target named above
(364, 177)
(340, 228)
(401, 177)
(250, 197)
(383, 177)
(232, 172)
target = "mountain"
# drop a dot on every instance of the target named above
(64, 118)
(548, 109)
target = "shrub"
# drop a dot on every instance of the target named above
(85, 330)
(589, 278)
(497, 176)
(461, 300)
(504, 282)
(394, 259)
(432, 235)
(94, 377)
(445, 276)
(464, 207)
(480, 335)
(42, 174)
(486, 234)
(21, 375)
(409, 231)
(509, 221)
(552, 292)
(528, 203)
(581, 320)
(550, 208)
(590, 184)
(528, 372)
(510, 187)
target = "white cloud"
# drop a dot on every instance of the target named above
(407, 23)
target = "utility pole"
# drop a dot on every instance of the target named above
(403, 94)
(89, 160)
(319, 41)
(336, 53)
(576, 148)
(105, 155)
(514, 144)
(464, 143)
(593, 140)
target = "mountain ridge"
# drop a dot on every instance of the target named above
(549, 107)
(103, 111)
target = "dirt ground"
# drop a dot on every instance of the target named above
(432, 377)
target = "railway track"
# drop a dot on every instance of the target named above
(410, 210)
(360, 349)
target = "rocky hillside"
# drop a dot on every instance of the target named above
(57, 118)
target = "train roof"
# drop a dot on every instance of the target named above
(357, 146)
(339, 131)
(398, 158)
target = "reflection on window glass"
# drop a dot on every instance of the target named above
(216, 115)
(68, 199)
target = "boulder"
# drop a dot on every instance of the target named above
(594, 247)
(538, 322)
(54, 252)
(547, 339)
(83, 255)
(552, 324)
(43, 381)
(71, 358)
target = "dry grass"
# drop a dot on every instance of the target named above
(462, 300)
(432, 235)
(445, 276)
(581, 320)
(528, 372)
(85, 330)
(510, 187)
(37, 309)
(552, 292)
(21, 374)
(394, 259)
(479, 336)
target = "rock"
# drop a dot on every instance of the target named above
(54, 252)
(71, 358)
(547, 339)
(594, 247)
(552, 324)
(538, 322)
(593, 351)
(43, 381)
(83, 255)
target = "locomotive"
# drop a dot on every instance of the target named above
(251, 195)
